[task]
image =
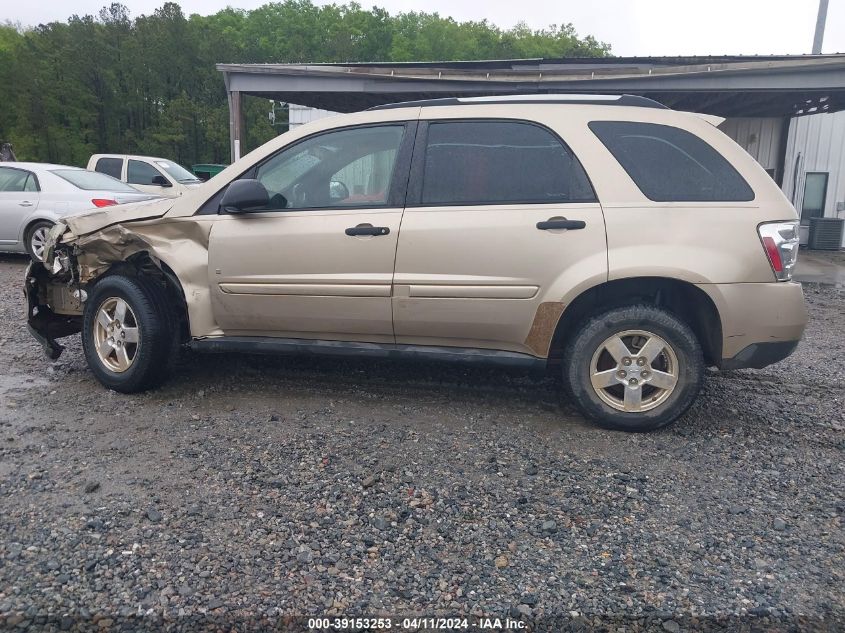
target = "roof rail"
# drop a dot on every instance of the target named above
(559, 98)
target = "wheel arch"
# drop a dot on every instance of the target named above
(684, 299)
(142, 263)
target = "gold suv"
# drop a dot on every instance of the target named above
(625, 244)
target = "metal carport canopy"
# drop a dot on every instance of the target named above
(728, 86)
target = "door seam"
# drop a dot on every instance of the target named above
(399, 231)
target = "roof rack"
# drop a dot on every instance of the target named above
(580, 99)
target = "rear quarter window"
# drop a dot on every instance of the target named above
(669, 164)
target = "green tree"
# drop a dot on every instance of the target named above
(148, 84)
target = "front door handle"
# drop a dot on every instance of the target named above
(561, 223)
(26, 203)
(367, 229)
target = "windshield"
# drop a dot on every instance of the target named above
(93, 180)
(177, 172)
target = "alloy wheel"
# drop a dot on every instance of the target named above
(634, 371)
(38, 241)
(116, 334)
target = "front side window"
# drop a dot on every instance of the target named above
(346, 168)
(13, 179)
(141, 173)
(177, 172)
(500, 162)
(110, 166)
(669, 164)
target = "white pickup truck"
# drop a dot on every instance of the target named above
(158, 176)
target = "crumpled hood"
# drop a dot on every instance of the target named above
(96, 219)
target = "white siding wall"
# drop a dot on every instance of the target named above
(299, 115)
(759, 136)
(817, 143)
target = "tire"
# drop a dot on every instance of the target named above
(146, 353)
(34, 239)
(667, 375)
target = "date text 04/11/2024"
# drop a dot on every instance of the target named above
(415, 624)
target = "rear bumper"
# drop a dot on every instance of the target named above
(759, 355)
(761, 322)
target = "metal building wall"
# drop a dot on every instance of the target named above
(759, 136)
(817, 144)
(300, 115)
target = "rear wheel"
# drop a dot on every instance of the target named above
(636, 368)
(128, 333)
(36, 239)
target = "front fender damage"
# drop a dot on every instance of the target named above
(57, 290)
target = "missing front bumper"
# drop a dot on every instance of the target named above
(45, 324)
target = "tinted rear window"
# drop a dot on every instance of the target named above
(669, 164)
(110, 166)
(92, 180)
(500, 162)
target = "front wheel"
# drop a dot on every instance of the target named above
(128, 332)
(636, 368)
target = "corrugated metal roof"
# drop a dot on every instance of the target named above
(770, 85)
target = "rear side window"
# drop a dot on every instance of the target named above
(31, 183)
(140, 173)
(500, 162)
(110, 166)
(13, 179)
(669, 164)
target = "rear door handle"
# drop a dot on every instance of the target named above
(367, 229)
(561, 223)
(26, 203)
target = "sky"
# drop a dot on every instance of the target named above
(631, 27)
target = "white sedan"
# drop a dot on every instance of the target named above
(34, 196)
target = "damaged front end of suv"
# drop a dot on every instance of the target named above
(54, 296)
(79, 251)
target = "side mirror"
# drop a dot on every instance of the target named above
(245, 195)
(338, 191)
(161, 181)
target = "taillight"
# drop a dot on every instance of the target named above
(103, 202)
(780, 241)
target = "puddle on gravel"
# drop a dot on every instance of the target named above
(13, 384)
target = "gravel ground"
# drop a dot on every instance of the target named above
(251, 489)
